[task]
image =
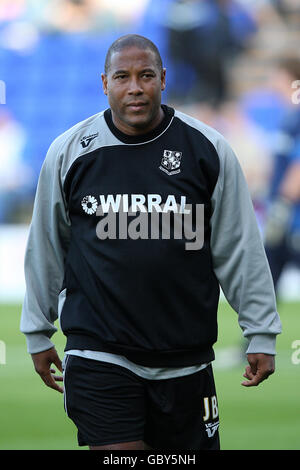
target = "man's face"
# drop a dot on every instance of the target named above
(133, 86)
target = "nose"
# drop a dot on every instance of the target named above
(135, 87)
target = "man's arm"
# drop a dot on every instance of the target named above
(241, 266)
(44, 264)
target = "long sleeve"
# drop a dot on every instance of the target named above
(239, 258)
(45, 254)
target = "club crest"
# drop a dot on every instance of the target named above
(170, 162)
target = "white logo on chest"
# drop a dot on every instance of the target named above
(171, 161)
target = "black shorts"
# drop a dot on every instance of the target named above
(110, 404)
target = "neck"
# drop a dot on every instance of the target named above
(133, 130)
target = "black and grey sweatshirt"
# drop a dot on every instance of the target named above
(131, 239)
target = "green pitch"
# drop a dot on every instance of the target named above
(265, 417)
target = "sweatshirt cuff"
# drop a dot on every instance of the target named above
(37, 342)
(263, 343)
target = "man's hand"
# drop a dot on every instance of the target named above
(42, 362)
(259, 369)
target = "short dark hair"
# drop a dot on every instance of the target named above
(130, 40)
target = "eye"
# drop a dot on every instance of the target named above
(148, 75)
(120, 77)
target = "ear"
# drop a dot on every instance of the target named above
(163, 79)
(104, 83)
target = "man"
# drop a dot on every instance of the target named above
(138, 305)
(282, 231)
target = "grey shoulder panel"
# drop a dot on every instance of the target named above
(212, 134)
(83, 138)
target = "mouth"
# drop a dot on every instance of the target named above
(137, 106)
